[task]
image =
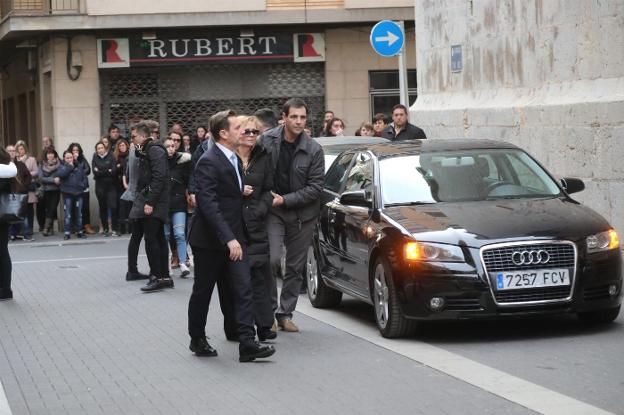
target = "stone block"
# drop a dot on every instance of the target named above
(616, 218)
(356, 84)
(333, 57)
(80, 93)
(335, 84)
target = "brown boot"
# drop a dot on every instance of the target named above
(88, 229)
(175, 261)
(47, 227)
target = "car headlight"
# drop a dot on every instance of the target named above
(427, 251)
(603, 241)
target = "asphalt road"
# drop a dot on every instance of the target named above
(79, 339)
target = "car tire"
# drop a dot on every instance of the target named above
(389, 317)
(320, 295)
(604, 316)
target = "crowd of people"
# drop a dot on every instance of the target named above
(240, 193)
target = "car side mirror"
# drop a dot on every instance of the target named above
(356, 198)
(572, 185)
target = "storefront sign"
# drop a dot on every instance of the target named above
(113, 53)
(222, 48)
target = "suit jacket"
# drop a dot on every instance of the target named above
(218, 217)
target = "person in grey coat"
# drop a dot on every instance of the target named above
(299, 166)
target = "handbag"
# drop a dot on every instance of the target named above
(13, 207)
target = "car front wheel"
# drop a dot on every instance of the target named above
(388, 315)
(320, 295)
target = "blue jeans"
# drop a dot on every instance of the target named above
(72, 202)
(178, 222)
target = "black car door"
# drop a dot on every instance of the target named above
(352, 224)
(329, 246)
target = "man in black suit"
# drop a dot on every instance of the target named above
(217, 238)
(401, 129)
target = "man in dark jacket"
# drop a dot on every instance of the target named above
(151, 205)
(299, 166)
(401, 129)
(218, 239)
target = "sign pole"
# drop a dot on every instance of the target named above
(404, 97)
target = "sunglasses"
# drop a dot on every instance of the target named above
(249, 132)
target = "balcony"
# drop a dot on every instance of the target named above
(304, 4)
(38, 7)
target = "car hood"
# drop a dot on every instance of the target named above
(480, 223)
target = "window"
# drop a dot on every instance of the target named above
(337, 173)
(384, 90)
(360, 176)
(527, 176)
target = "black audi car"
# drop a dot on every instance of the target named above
(459, 229)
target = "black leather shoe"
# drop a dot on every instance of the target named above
(154, 284)
(252, 351)
(135, 276)
(6, 294)
(167, 282)
(265, 333)
(201, 347)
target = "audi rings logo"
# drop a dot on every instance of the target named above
(530, 257)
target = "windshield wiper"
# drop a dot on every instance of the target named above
(408, 204)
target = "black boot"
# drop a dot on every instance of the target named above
(135, 276)
(251, 351)
(201, 347)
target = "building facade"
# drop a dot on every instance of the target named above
(547, 76)
(70, 68)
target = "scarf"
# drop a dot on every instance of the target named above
(50, 166)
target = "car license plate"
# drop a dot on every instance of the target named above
(534, 278)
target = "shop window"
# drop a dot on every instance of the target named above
(384, 90)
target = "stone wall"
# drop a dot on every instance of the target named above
(547, 76)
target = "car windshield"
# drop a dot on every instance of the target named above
(467, 175)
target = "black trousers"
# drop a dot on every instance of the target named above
(156, 247)
(263, 309)
(5, 259)
(40, 211)
(134, 244)
(51, 200)
(107, 199)
(212, 267)
(86, 209)
(124, 210)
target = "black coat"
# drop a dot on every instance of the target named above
(259, 175)
(307, 172)
(218, 217)
(179, 173)
(409, 132)
(104, 170)
(153, 182)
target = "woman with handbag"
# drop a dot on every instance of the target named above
(7, 171)
(48, 176)
(31, 163)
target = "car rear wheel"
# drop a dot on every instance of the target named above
(388, 315)
(600, 316)
(320, 295)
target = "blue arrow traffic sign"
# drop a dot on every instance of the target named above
(387, 38)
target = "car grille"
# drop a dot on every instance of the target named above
(464, 303)
(498, 259)
(596, 293)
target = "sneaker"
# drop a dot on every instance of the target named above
(106, 234)
(167, 282)
(12, 237)
(28, 238)
(66, 237)
(184, 271)
(114, 233)
(287, 325)
(81, 235)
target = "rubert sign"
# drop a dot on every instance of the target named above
(221, 48)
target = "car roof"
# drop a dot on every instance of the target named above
(336, 145)
(415, 147)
